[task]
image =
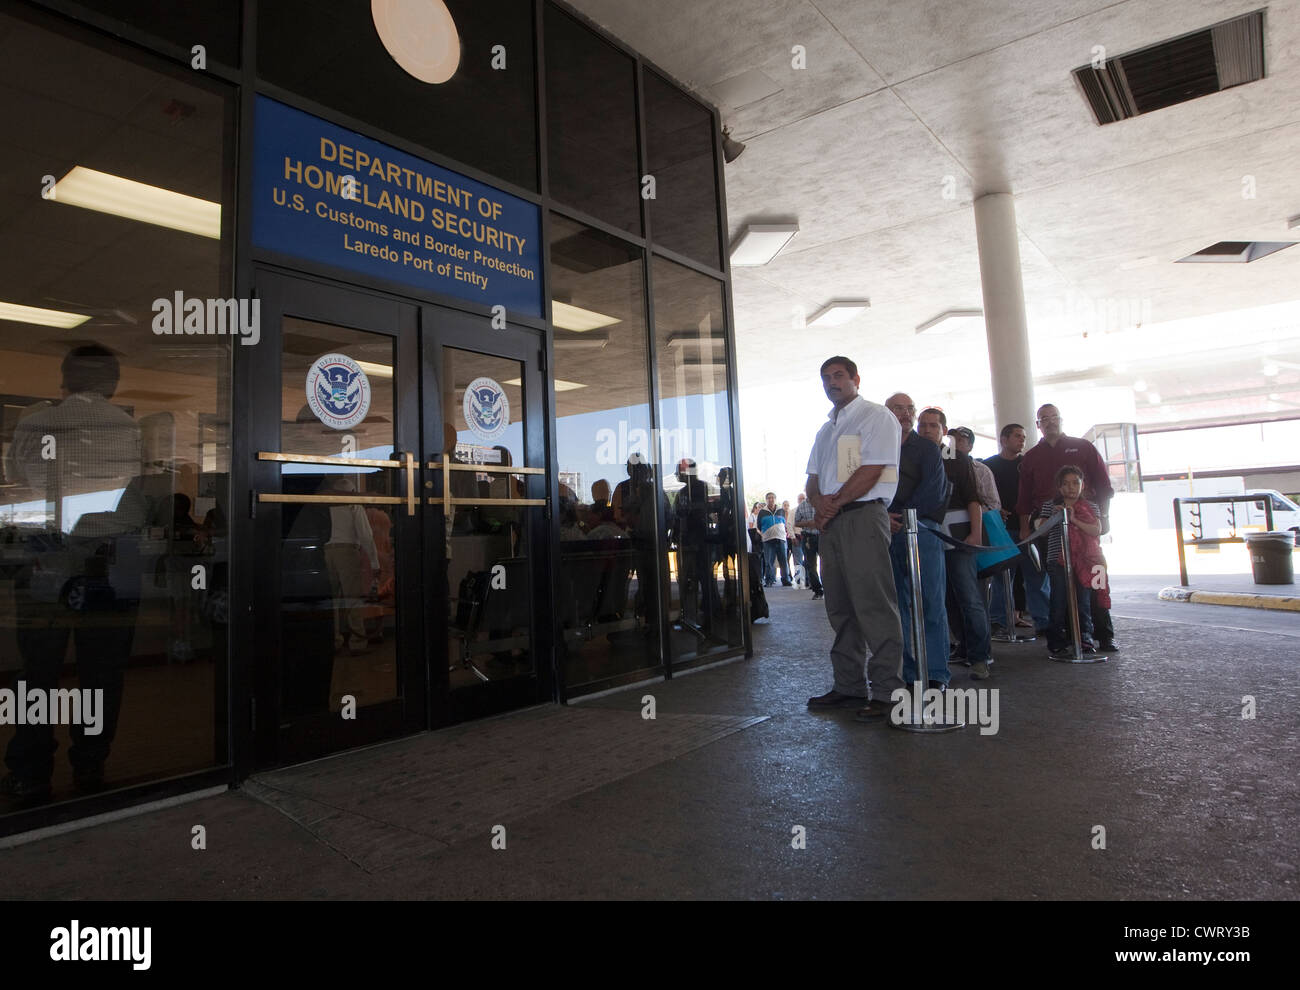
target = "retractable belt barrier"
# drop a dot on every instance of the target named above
(1062, 518)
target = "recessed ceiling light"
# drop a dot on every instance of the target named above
(838, 312)
(1273, 396)
(41, 317)
(1153, 398)
(137, 201)
(951, 320)
(1235, 252)
(760, 243)
(577, 319)
(1140, 385)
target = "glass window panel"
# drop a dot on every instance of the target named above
(482, 116)
(609, 598)
(489, 610)
(679, 149)
(213, 24)
(591, 123)
(114, 439)
(338, 595)
(696, 453)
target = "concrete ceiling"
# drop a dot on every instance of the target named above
(906, 112)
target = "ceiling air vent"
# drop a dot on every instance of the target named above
(1236, 252)
(1175, 71)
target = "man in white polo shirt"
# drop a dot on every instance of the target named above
(852, 476)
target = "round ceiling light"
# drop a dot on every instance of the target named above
(420, 35)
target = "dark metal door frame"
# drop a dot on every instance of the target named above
(444, 327)
(277, 739)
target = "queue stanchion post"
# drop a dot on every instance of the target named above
(1071, 599)
(914, 718)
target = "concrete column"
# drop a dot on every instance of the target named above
(1005, 324)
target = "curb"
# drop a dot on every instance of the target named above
(1277, 603)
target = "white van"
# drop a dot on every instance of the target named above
(1286, 514)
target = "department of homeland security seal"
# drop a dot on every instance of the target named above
(487, 410)
(338, 391)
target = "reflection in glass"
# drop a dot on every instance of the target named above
(679, 150)
(608, 524)
(695, 437)
(591, 123)
(488, 568)
(338, 608)
(114, 441)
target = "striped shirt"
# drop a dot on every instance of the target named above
(1049, 509)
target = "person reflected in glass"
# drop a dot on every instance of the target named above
(350, 538)
(634, 511)
(82, 578)
(695, 579)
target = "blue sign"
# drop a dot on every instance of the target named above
(332, 196)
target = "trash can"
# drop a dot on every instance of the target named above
(1270, 557)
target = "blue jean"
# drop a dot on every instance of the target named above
(1058, 636)
(933, 583)
(774, 554)
(1037, 601)
(969, 593)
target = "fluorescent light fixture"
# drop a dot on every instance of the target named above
(378, 370)
(577, 319)
(760, 243)
(838, 312)
(588, 341)
(950, 320)
(136, 201)
(1140, 385)
(560, 384)
(694, 340)
(41, 317)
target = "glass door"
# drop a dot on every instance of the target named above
(337, 516)
(488, 533)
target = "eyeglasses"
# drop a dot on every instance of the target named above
(899, 407)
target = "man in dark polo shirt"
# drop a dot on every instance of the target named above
(1038, 485)
(923, 487)
(965, 522)
(1030, 584)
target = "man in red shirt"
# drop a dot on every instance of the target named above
(1037, 485)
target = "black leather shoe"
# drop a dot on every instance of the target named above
(1108, 646)
(817, 596)
(875, 711)
(833, 699)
